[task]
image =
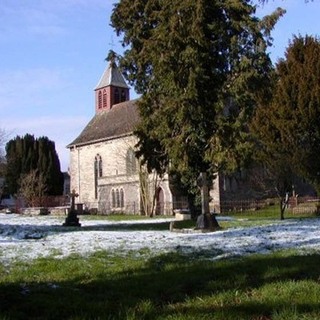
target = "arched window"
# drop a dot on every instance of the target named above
(117, 198)
(104, 98)
(131, 162)
(100, 167)
(159, 201)
(113, 195)
(99, 100)
(121, 198)
(95, 179)
(97, 173)
(116, 96)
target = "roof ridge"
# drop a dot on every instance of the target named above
(111, 77)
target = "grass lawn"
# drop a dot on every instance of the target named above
(283, 285)
(278, 286)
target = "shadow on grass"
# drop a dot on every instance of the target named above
(30, 231)
(169, 286)
(129, 226)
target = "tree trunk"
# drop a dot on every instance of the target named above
(283, 205)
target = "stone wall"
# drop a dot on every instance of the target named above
(115, 175)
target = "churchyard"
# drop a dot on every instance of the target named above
(126, 267)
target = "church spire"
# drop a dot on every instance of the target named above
(111, 88)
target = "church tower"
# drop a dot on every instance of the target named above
(103, 168)
(111, 89)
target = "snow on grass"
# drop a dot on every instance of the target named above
(26, 238)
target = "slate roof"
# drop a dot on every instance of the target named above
(111, 77)
(120, 120)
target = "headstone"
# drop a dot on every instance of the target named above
(205, 221)
(182, 214)
(72, 220)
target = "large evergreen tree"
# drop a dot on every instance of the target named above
(288, 128)
(27, 154)
(200, 67)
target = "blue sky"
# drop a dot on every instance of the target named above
(52, 57)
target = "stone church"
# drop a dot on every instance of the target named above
(106, 174)
(103, 168)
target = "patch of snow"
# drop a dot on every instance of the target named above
(26, 238)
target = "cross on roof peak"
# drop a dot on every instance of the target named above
(111, 57)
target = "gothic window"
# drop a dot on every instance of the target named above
(97, 173)
(100, 167)
(104, 98)
(117, 198)
(121, 198)
(95, 179)
(116, 96)
(131, 163)
(113, 198)
(99, 100)
(123, 95)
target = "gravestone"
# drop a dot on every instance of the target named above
(206, 221)
(72, 220)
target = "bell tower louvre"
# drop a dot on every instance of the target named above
(111, 89)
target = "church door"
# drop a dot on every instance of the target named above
(160, 201)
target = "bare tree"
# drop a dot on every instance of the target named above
(149, 184)
(273, 181)
(32, 188)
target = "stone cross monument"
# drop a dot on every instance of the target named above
(206, 221)
(72, 220)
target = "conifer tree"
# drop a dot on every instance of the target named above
(288, 128)
(200, 67)
(27, 154)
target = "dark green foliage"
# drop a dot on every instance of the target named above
(298, 101)
(25, 154)
(288, 128)
(200, 67)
